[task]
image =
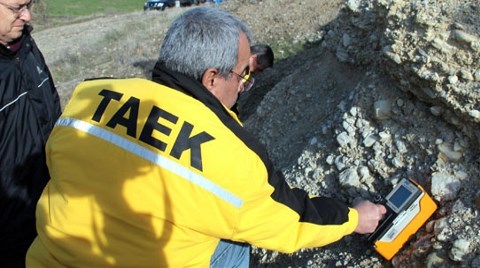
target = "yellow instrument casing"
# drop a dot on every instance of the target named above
(408, 208)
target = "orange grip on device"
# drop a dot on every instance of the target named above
(389, 247)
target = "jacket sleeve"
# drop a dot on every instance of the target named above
(277, 217)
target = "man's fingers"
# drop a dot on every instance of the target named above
(383, 209)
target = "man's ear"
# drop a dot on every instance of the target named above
(209, 78)
(252, 61)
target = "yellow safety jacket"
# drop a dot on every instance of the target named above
(145, 175)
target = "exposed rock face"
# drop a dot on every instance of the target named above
(431, 48)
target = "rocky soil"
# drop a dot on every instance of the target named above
(381, 90)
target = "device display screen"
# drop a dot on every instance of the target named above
(400, 196)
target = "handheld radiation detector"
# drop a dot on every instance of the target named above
(408, 208)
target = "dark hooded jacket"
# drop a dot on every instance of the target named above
(29, 107)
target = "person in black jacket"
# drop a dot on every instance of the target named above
(262, 58)
(29, 107)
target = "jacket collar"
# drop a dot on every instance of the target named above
(189, 86)
(8, 53)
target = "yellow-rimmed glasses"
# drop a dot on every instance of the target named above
(247, 78)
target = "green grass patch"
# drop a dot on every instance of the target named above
(74, 8)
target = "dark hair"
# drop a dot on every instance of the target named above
(264, 55)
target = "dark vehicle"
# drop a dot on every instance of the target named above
(191, 2)
(162, 4)
(158, 4)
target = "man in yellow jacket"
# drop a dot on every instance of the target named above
(161, 173)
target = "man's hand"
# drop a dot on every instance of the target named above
(369, 214)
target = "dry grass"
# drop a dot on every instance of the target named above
(117, 46)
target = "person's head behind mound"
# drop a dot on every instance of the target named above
(261, 59)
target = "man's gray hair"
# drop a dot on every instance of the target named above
(202, 38)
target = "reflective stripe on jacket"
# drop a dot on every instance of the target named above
(144, 175)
